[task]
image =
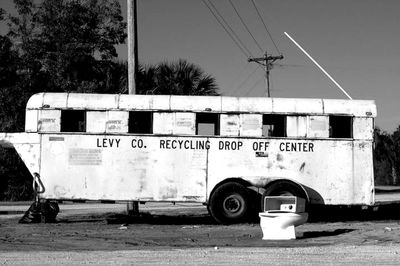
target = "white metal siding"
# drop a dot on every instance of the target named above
(230, 125)
(117, 122)
(96, 121)
(296, 126)
(250, 125)
(361, 108)
(363, 128)
(318, 127)
(49, 121)
(31, 120)
(184, 124)
(163, 123)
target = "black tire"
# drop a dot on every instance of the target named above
(230, 203)
(284, 188)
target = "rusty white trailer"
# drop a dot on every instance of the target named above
(222, 151)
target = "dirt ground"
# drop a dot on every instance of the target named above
(186, 234)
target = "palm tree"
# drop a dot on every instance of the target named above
(178, 78)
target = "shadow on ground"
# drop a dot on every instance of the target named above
(196, 217)
(315, 234)
(354, 213)
(148, 218)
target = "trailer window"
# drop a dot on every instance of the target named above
(340, 126)
(274, 125)
(207, 124)
(73, 121)
(140, 122)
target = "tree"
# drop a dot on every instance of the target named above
(56, 45)
(68, 43)
(396, 151)
(179, 78)
(14, 178)
(387, 157)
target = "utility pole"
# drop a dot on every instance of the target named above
(266, 61)
(132, 207)
(133, 64)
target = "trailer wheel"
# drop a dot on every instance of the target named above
(229, 203)
(284, 188)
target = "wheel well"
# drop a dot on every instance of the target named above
(228, 180)
(291, 182)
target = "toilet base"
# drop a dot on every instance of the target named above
(277, 233)
(281, 226)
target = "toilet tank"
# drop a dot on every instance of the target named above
(284, 204)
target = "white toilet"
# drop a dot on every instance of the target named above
(280, 217)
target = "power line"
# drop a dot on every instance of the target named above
(226, 30)
(252, 87)
(246, 79)
(265, 26)
(227, 24)
(238, 78)
(244, 24)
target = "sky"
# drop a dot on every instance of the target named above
(356, 41)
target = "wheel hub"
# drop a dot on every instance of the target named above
(232, 204)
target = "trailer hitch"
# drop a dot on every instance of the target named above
(38, 186)
(38, 212)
